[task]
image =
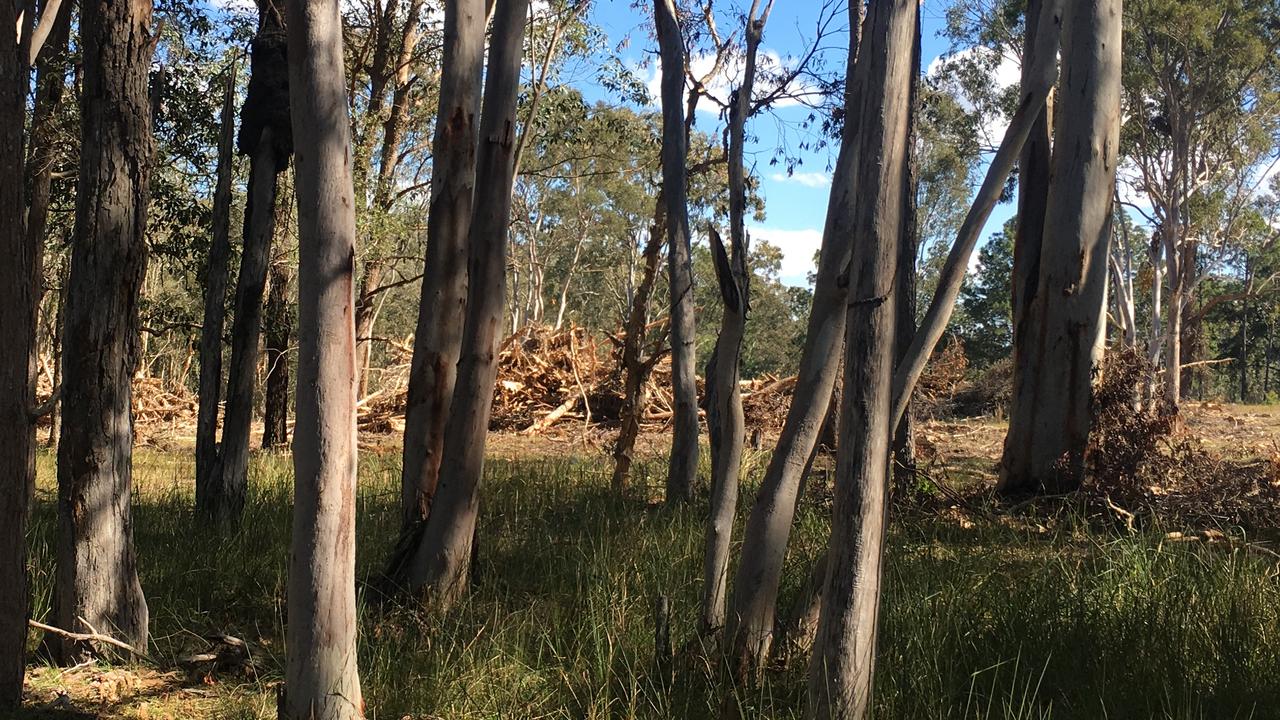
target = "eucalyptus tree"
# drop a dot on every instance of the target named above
(843, 661)
(321, 674)
(683, 468)
(441, 552)
(438, 340)
(96, 584)
(265, 136)
(1201, 84)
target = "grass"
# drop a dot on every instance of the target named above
(980, 619)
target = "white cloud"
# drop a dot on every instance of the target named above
(799, 250)
(807, 179)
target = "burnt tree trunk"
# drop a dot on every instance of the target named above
(438, 339)
(96, 584)
(1055, 414)
(842, 668)
(682, 471)
(266, 137)
(322, 680)
(764, 542)
(441, 559)
(215, 291)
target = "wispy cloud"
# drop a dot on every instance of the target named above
(807, 179)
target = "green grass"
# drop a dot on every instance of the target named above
(980, 621)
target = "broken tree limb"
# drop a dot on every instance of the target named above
(93, 636)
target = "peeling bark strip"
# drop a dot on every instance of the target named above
(97, 581)
(267, 138)
(1054, 415)
(17, 373)
(683, 469)
(440, 562)
(764, 542)
(441, 309)
(842, 669)
(321, 677)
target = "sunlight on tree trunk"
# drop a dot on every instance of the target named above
(322, 681)
(97, 580)
(441, 560)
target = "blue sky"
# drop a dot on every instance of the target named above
(795, 204)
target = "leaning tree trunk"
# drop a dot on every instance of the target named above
(322, 681)
(96, 585)
(1049, 454)
(266, 137)
(440, 561)
(843, 662)
(279, 323)
(725, 424)
(17, 372)
(764, 542)
(683, 469)
(1033, 196)
(1034, 93)
(215, 290)
(437, 342)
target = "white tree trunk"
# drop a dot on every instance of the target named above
(764, 542)
(322, 681)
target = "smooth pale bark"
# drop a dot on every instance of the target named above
(1067, 350)
(1034, 94)
(96, 585)
(682, 471)
(764, 543)
(279, 324)
(1033, 198)
(725, 423)
(637, 359)
(437, 342)
(17, 373)
(440, 561)
(322, 681)
(266, 138)
(215, 290)
(842, 669)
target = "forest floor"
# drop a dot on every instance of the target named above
(989, 611)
